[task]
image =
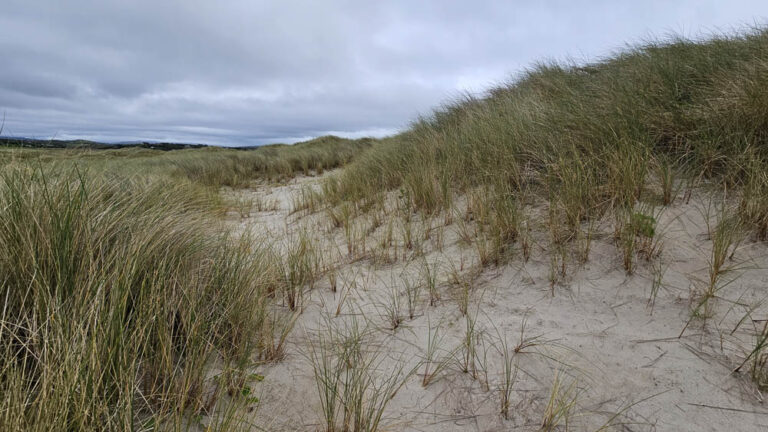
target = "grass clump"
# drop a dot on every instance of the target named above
(302, 268)
(435, 363)
(561, 403)
(119, 296)
(353, 383)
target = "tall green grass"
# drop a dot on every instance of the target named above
(589, 138)
(122, 299)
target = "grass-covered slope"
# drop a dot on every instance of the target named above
(589, 137)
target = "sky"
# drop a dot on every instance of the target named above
(237, 72)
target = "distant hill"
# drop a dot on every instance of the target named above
(164, 146)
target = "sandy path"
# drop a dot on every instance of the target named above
(596, 333)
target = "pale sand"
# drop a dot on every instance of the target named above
(597, 329)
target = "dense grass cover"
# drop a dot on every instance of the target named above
(590, 137)
(126, 303)
(119, 294)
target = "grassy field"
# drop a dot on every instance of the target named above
(131, 303)
(210, 166)
(126, 302)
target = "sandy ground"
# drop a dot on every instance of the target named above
(620, 362)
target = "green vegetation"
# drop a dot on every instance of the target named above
(117, 295)
(354, 383)
(209, 166)
(590, 138)
(126, 303)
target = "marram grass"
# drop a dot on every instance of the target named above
(119, 294)
(589, 138)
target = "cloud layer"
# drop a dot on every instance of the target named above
(243, 72)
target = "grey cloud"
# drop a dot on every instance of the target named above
(250, 72)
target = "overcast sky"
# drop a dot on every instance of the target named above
(236, 72)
